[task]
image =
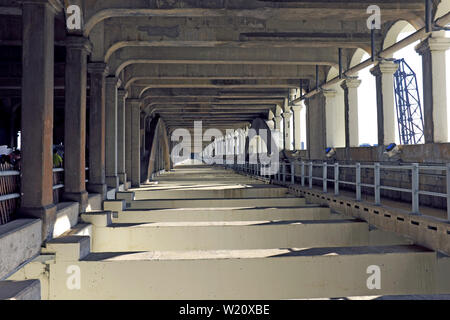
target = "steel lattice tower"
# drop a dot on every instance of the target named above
(409, 108)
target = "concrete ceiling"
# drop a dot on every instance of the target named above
(226, 62)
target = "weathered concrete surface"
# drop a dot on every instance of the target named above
(236, 193)
(222, 214)
(20, 241)
(256, 274)
(66, 217)
(214, 203)
(20, 290)
(179, 236)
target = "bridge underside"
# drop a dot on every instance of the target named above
(166, 113)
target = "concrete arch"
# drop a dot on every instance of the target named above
(395, 30)
(357, 57)
(158, 136)
(442, 9)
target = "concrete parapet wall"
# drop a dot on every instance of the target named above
(20, 241)
(426, 231)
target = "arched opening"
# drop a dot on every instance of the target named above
(335, 113)
(367, 102)
(399, 31)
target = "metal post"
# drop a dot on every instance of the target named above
(303, 174)
(325, 176)
(310, 174)
(415, 188)
(292, 173)
(448, 191)
(377, 183)
(284, 172)
(336, 179)
(358, 182)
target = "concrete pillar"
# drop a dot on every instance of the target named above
(121, 152)
(350, 86)
(97, 181)
(135, 134)
(77, 50)
(38, 18)
(386, 114)
(330, 108)
(434, 68)
(112, 180)
(287, 131)
(296, 110)
(128, 138)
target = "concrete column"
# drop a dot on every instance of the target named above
(278, 123)
(330, 108)
(434, 68)
(350, 87)
(128, 138)
(112, 180)
(386, 114)
(97, 181)
(38, 18)
(296, 110)
(135, 147)
(121, 152)
(77, 50)
(287, 131)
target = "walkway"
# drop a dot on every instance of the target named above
(202, 232)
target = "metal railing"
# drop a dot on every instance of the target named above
(10, 173)
(307, 175)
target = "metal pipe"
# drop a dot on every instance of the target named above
(388, 52)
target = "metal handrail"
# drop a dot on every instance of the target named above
(416, 170)
(10, 173)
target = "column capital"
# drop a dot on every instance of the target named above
(384, 68)
(329, 94)
(351, 83)
(286, 115)
(433, 44)
(78, 43)
(55, 5)
(98, 68)
(297, 107)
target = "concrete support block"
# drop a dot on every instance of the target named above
(115, 205)
(254, 274)
(217, 203)
(217, 214)
(98, 219)
(68, 248)
(20, 290)
(20, 241)
(66, 217)
(94, 202)
(127, 196)
(231, 235)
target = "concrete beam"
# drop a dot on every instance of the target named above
(274, 56)
(136, 72)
